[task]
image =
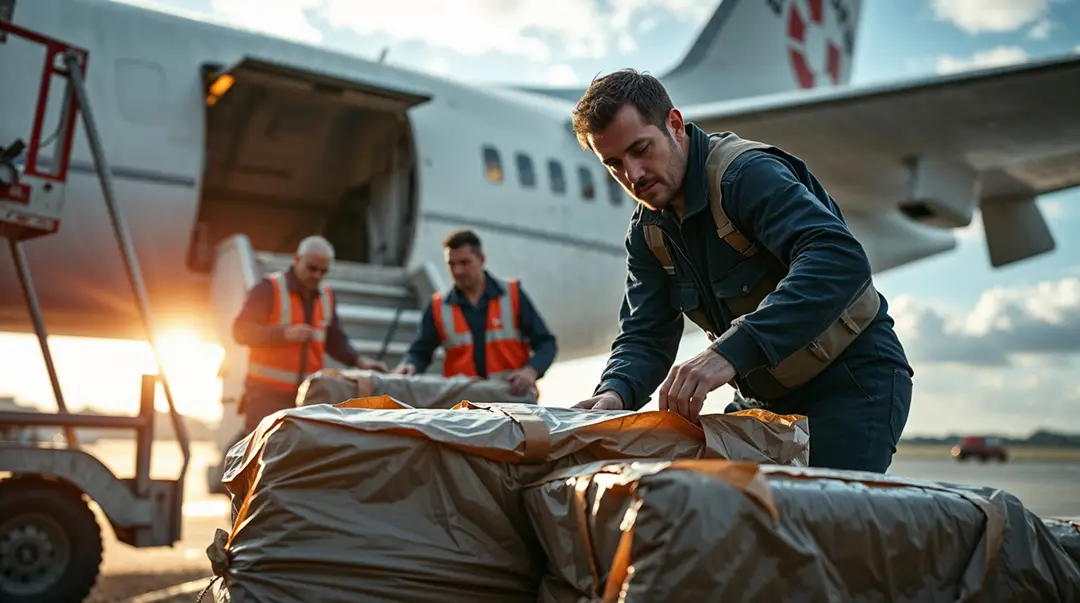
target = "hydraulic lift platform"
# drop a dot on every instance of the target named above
(50, 541)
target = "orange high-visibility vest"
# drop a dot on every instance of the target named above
(279, 365)
(504, 347)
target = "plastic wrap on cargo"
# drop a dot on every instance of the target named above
(371, 500)
(1067, 533)
(707, 530)
(333, 386)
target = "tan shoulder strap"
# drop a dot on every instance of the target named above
(655, 238)
(724, 148)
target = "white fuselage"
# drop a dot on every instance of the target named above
(567, 250)
(148, 97)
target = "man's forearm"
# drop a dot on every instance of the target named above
(424, 343)
(418, 360)
(249, 327)
(253, 334)
(543, 356)
(340, 348)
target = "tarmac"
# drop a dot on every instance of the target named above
(168, 575)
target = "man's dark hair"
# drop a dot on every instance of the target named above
(460, 238)
(609, 93)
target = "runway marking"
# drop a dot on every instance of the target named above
(165, 594)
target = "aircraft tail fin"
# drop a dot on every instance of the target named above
(756, 47)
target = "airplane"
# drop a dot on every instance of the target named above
(228, 146)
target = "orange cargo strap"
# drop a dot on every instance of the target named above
(535, 430)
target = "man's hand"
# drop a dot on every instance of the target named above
(521, 380)
(686, 386)
(405, 369)
(298, 333)
(371, 365)
(606, 400)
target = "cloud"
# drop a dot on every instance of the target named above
(536, 30)
(1053, 210)
(1041, 29)
(950, 399)
(1007, 365)
(1005, 326)
(561, 75)
(995, 16)
(438, 66)
(283, 19)
(995, 57)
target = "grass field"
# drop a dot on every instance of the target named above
(1017, 453)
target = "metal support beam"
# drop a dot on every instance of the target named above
(123, 238)
(144, 437)
(22, 268)
(47, 419)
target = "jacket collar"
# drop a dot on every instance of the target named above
(293, 284)
(492, 290)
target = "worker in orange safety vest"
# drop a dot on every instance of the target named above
(481, 308)
(289, 323)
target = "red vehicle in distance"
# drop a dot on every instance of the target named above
(980, 447)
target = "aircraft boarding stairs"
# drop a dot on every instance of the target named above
(379, 308)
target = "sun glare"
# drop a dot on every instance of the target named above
(191, 365)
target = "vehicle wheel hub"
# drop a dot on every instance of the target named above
(34, 553)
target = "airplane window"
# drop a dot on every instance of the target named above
(492, 165)
(555, 173)
(526, 175)
(588, 188)
(615, 191)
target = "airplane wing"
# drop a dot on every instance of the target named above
(931, 151)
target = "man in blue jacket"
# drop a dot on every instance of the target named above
(741, 238)
(517, 348)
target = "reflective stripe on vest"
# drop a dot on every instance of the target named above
(505, 350)
(280, 365)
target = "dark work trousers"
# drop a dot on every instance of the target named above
(856, 412)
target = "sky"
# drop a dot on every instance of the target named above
(993, 349)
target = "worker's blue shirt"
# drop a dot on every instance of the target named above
(773, 200)
(532, 327)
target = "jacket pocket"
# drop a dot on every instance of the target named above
(901, 402)
(685, 299)
(743, 287)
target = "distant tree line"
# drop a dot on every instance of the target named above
(1039, 438)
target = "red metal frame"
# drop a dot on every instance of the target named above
(54, 51)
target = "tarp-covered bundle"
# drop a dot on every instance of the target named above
(371, 500)
(333, 386)
(1067, 533)
(722, 531)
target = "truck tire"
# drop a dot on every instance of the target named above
(50, 542)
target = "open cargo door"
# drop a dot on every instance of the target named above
(292, 152)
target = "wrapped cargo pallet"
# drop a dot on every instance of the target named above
(370, 500)
(333, 386)
(703, 530)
